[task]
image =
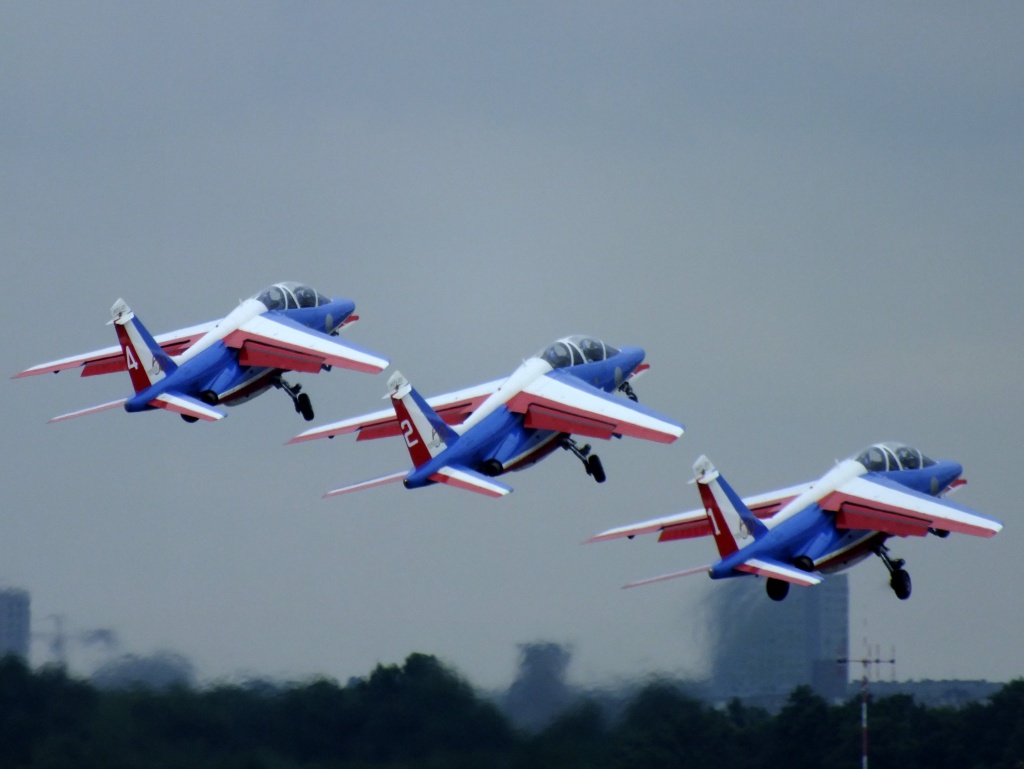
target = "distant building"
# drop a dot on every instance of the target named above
(14, 622)
(763, 649)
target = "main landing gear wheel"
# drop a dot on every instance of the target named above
(900, 584)
(302, 403)
(899, 578)
(777, 589)
(591, 462)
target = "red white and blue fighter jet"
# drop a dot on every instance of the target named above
(287, 327)
(798, 534)
(466, 438)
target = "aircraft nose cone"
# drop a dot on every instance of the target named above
(345, 306)
(948, 472)
(633, 357)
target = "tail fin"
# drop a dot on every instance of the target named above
(147, 363)
(426, 434)
(731, 521)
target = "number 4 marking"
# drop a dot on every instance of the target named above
(130, 358)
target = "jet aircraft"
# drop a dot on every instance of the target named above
(798, 534)
(287, 327)
(467, 438)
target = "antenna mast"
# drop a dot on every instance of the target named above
(867, 663)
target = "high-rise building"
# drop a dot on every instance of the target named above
(763, 649)
(14, 622)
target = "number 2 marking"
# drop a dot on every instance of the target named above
(408, 431)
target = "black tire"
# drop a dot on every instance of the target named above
(595, 468)
(209, 397)
(189, 418)
(305, 407)
(900, 584)
(777, 589)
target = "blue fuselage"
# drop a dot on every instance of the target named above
(500, 442)
(812, 532)
(216, 371)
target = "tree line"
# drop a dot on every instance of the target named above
(423, 714)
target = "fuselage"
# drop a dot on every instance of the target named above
(802, 530)
(210, 370)
(494, 440)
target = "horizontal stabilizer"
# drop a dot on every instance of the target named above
(673, 575)
(764, 567)
(393, 478)
(90, 410)
(187, 406)
(464, 478)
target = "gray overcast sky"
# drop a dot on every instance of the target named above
(809, 214)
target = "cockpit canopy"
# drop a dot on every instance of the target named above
(290, 296)
(574, 350)
(883, 457)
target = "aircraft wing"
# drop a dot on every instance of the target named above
(111, 359)
(452, 407)
(694, 523)
(560, 401)
(877, 504)
(279, 342)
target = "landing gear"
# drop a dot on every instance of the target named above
(302, 403)
(591, 462)
(899, 578)
(777, 589)
(627, 389)
(900, 584)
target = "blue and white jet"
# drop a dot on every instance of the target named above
(799, 534)
(287, 327)
(467, 438)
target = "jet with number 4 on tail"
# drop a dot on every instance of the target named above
(799, 534)
(467, 438)
(287, 327)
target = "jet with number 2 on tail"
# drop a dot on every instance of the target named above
(798, 534)
(287, 327)
(467, 438)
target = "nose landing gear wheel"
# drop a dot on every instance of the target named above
(595, 468)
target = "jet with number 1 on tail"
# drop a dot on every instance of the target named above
(467, 438)
(287, 327)
(799, 534)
